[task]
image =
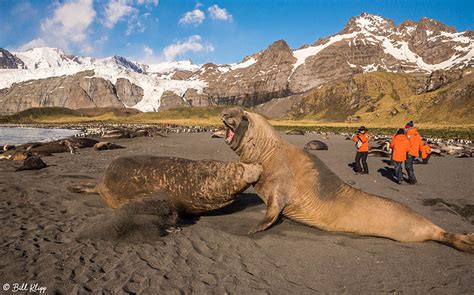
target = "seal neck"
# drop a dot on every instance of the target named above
(259, 141)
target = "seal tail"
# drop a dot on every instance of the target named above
(90, 188)
(461, 242)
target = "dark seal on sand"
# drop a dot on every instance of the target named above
(316, 145)
(104, 145)
(191, 186)
(32, 163)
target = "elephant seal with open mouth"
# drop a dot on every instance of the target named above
(192, 187)
(304, 189)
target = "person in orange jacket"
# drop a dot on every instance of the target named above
(425, 152)
(362, 145)
(415, 145)
(400, 146)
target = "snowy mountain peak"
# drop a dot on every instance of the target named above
(369, 23)
(167, 67)
(122, 62)
(44, 57)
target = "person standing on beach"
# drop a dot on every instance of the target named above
(362, 145)
(415, 145)
(425, 152)
(400, 146)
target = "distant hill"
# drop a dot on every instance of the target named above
(378, 97)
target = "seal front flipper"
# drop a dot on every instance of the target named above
(274, 208)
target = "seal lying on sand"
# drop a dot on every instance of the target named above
(378, 153)
(302, 187)
(191, 186)
(15, 155)
(295, 132)
(32, 163)
(104, 145)
(316, 145)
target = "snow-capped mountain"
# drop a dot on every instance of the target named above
(43, 63)
(367, 43)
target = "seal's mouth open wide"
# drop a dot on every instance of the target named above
(229, 136)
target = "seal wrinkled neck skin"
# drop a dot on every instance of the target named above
(253, 145)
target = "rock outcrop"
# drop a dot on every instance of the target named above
(9, 61)
(81, 90)
(129, 93)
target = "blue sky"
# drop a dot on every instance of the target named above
(203, 31)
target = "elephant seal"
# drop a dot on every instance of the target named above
(32, 163)
(218, 134)
(79, 142)
(295, 132)
(304, 189)
(104, 145)
(316, 145)
(192, 187)
(50, 147)
(378, 153)
(15, 155)
(116, 134)
(8, 147)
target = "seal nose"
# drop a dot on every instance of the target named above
(225, 115)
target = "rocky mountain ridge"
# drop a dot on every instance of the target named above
(366, 44)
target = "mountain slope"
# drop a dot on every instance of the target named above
(381, 97)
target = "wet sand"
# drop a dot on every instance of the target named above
(74, 244)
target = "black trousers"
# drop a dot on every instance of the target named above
(398, 171)
(361, 156)
(409, 168)
(425, 160)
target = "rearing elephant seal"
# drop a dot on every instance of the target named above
(302, 187)
(191, 186)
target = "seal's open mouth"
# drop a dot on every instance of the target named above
(229, 135)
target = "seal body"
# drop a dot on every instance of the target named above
(191, 186)
(316, 145)
(104, 145)
(303, 188)
(32, 163)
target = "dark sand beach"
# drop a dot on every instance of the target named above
(74, 244)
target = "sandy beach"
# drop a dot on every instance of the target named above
(74, 244)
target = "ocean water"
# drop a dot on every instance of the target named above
(17, 135)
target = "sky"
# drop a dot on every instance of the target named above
(218, 31)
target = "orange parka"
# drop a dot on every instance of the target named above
(365, 141)
(415, 142)
(400, 146)
(425, 151)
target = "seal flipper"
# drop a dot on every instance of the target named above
(458, 241)
(274, 208)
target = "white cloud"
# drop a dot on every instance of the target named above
(147, 2)
(218, 13)
(148, 51)
(68, 26)
(195, 17)
(191, 44)
(116, 10)
(38, 42)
